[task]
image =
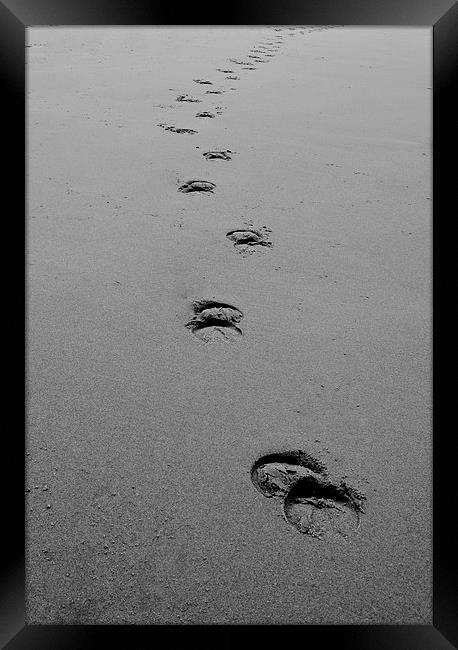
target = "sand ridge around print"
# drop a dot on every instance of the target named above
(229, 326)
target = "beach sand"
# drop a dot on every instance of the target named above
(141, 433)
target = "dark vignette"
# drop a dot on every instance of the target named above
(445, 108)
(12, 63)
(21, 13)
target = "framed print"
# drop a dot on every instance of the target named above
(230, 419)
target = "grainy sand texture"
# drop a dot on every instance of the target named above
(228, 325)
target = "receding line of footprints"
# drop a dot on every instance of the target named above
(260, 48)
(312, 503)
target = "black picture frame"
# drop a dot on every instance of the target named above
(442, 17)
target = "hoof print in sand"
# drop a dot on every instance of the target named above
(214, 320)
(275, 474)
(203, 81)
(187, 98)
(246, 237)
(225, 71)
(175, 129)
(218, 155)
(312, 503)
(233, 77)
(205, 114)
(197, 186)
(214, 92)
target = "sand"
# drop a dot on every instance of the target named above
(141, 433)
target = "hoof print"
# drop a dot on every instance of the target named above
(197, 186)
(247, 237)
(187, 98)
(205, 114)
(315, 503)
(218, 155)
(275, 474)
(202, 81)
(214, 320)
(175, 129)
(233, 77)
(312, 503)
(225, 71)
(214, 92)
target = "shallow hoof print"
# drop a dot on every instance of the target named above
(213, 321)
(197, 186)
(187, 98)
(205, 114)
(247, 237)
(315, 505)
(240, 62)
(175, 129)
(233, 77)
(202, 81)
(247, 68)
(218, 155)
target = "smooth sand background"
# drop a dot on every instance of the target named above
(141, 437)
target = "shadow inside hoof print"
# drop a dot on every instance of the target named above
(214, 321)
(312, 503)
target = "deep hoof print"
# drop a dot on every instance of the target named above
(202, 81)
(218, 155)
(275, 474)
(175, 129)
(213, 321)
(246, 237)
(312, 503)
(187, 98)
(197, 186)
(315, 504)
(205, 114)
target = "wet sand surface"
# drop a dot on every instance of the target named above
(146, 409)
